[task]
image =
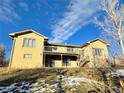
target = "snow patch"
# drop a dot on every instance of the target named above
(41, 86)
(70, 81)
(118, 73)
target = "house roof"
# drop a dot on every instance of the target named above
(15, 34)
(87, 43)
(97, 39)
(12, 35)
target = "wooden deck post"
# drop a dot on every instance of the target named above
(61, 57)
(44, 56)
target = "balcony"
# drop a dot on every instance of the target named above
(56, 49)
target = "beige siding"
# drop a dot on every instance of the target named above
(58, 63)
(97, 59)
(18, 60)
(73, 64)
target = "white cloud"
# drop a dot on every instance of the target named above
(7, 11)
(24, 6)
(78, 14)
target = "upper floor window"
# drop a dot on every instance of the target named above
(27, 42)
(97, 52)
(69, 49)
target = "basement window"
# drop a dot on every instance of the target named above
(27, 56)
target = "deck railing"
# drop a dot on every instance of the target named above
(58, 49)
(84, 60)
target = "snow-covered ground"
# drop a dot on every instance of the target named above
(118, 73)
(70, 81)
(42, 86)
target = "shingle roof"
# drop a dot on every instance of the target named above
(87, 43)
(54, 44)
(25, 32)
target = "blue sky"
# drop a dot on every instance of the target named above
(62, 21)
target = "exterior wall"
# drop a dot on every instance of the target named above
(73, 64)
(96, 59)
(58, 63)
(17, 57)
(18, 61)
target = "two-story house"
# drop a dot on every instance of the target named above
(32, 50)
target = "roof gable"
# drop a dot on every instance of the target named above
(97, 39)
(15, 34)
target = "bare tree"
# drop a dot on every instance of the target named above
(113, 22)
(2, 55)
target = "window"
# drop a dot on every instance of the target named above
(25, 42)
(27, 56)
(50, 48)
(52, 62)
(54, 48)
(66, 62)
(97, 52)
(69, 49)
(33, 43)
(29, 42)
